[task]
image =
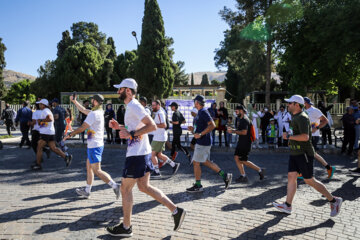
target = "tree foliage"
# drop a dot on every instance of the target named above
(20, 92)
(192, 83)
(2, 67)
(204, 80)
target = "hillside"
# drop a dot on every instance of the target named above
(11, 77)
(220, 76)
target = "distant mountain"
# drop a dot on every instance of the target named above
(11, 77)
(220, 76)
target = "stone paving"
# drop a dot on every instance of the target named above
(44, 205)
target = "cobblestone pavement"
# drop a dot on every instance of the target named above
(44, 205)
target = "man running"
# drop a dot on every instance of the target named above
(47, 135)
(243, 147)
(24, 116)
(202, 129)
(301, 158)
(138, 160)
(94, 122)
(317, 121)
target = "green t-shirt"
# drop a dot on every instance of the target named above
(300, 124)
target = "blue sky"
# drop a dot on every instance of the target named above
(31, 29)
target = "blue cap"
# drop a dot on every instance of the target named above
(200, 98)
(308, 101)
(55, 100)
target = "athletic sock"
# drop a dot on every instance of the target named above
(288, 204)
(198, 183)
(112, 184)
(328, 167)
(260, 170)
(333, 200)
(222, 174)
(88, 188)
(175, 211)
(157, 168)
(125, 227)
(244, 175)
(172, 163)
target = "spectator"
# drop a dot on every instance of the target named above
(68, 120)
(325, 131)
(254, 116)
(109, 115)
(59, 121)
(355, 106)
(223, 117)
(215, 117)
(265, 120)
(8, 116)
(229, 135)
(120, 114)
(24, 116)
(272, 132)
(82, 117)
(280, 116)
(349, 130)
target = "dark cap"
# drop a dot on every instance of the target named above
(99, 98)
(55, 100)
(143, 99)
(200, 98)
(308, 101)
(174, 104)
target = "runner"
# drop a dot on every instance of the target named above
(8, 116)
(193, 113)
(243, 147)
(301, 158)
(24, 116)
(177, 120)
(202, 129)
(138, 160)
(317, 121)
(158, 143)
(94, 122)
(47, 135)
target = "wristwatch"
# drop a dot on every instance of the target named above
(132, 133)
(200, 134)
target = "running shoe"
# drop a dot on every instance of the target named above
(36, 167)
(155, 175)
(119, 231)
(82, 192)
(262, 174)
(179, 218)
(300, 177)
(68, 159)
(335, 207)
(357, 170)
(161, 163)
(195, 188)
(242, 179)
(282, 207)
(173, 157)
(228, 180)
(330, 172)
(117, 191)
(175, 168)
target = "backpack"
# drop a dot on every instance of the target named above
(252, 132)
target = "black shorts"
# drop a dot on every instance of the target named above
(242, 153)
(47, 138)
(137, 166)
(314, 141)
(193, 141)
(303, 164)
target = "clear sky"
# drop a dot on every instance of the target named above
(31, 29)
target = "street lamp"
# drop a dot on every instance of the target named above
(134, 34)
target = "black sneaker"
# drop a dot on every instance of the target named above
(262, 174)
(195, 188)
(228, 180)
(36, 167)
(119, 231)
(155, 175)
(241, 179)
(357, 170)
(68, 159)
(179, 218)
(175, 168)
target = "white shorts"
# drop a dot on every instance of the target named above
(201, 153)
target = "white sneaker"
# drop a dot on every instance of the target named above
(82, 192)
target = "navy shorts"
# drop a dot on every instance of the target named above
(137, 166)
(303, 164)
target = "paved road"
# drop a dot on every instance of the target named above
(43, 205)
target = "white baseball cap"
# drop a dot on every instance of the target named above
(194, 110)
(43, 101)
(127, 83)
(295, 98)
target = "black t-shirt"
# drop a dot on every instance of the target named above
(244, 140)
(177, 117)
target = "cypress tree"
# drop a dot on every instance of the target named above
(2, 66)
(153, 66)
(192, 79)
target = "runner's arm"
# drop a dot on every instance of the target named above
(79, 106)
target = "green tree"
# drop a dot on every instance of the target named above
(181, 78)
(192, 80)
(153, 66)
(65, 42)
(2, 67)
(204, 80)
(215, 82)
(112, 51)
(124, 67)
(42, 86)
(20, 92)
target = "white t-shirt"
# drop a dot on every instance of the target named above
(314, 117)
(35, 116)
(95, 133)
(160, 133)
(139, 146)
(46, 127)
